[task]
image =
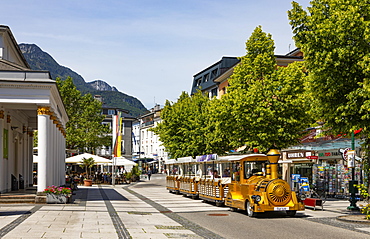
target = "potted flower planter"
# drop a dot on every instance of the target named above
(57, 198)
(87, 182)
(56, 194)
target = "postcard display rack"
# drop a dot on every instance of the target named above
(336, 177)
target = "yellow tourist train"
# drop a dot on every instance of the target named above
(246, 182)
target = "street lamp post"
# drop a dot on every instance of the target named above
(352, 189)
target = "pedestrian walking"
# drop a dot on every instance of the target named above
(149, 173)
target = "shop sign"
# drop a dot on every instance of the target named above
(329, 154)
(313, 157)
(351, 158)
(298, 154)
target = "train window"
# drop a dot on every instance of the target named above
(225, 170)
(216, 170)
(174, 169)
(253, 167)
(191, 169)
(208, 169)
(236, 171)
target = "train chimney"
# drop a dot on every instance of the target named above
(273, 155)
(268, 171)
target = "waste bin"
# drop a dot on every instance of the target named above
(14, 183)
(21, 182)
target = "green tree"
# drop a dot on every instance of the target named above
(87, 163)
(84, 129)
(218, 127)
(334, 37)
(182, 130)
(266, 103)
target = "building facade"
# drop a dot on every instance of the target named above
(147, 144)
(204, 80)
(126, 131)
(29, 101)
(221, 82)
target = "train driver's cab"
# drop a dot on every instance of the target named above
(255, 168)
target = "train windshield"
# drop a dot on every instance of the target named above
(251, 168)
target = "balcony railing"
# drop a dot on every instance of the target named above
(147, 123)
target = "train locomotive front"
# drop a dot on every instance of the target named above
(255, 187)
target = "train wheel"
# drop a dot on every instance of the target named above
(250, 210)
(219, 204)
(291, 213)
(233, 209)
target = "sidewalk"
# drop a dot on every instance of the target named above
(140, 210)
(97, 212)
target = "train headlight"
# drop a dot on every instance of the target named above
(257, 198)
(302, 197)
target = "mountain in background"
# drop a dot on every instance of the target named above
(40, 60)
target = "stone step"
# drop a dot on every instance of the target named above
(17, 197)
(16, 200)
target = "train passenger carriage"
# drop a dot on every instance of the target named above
(173, 176)
(246, 182)
(215, 177)
(188, 181)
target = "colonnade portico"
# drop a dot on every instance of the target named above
(29, 102)
(51, 156)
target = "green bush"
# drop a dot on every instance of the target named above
(365, 195)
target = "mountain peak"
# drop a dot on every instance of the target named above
(101, 85)
(40, 60)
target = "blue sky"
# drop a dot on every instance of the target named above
(149, 49)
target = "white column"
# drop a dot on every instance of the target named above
(62, 167)
(63, 149)
(30, 155)
(43, 122)
(2, 163)
(62, 155)
(55, 168)
(49, 145)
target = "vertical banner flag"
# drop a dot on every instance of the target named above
(117, 135)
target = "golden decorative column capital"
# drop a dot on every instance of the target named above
(43, 110)
(1, 114)
(8, 120)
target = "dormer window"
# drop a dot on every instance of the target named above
(214, 74)
(111, 112)
(206, 77)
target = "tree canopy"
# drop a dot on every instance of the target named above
(265, 107)
(182, 130)
(85, 130)
(334, 37)
(267, 103)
